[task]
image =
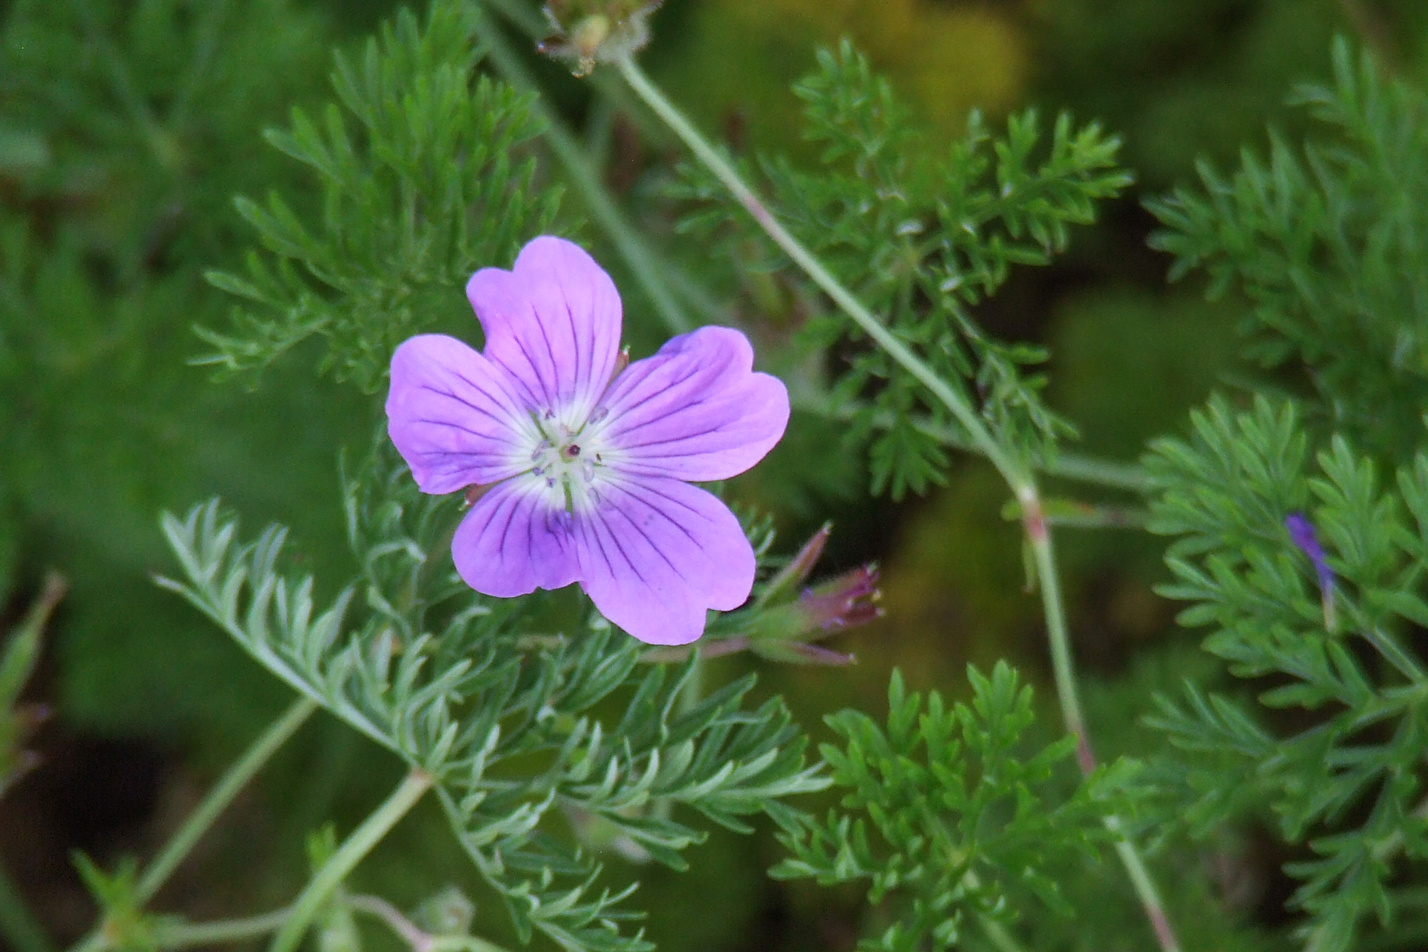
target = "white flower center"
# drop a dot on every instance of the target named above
(567, 456)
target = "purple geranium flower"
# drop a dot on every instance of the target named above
(584, 466)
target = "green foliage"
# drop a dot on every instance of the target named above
(1344, 776)
(1327, 244)
(419, 170)
(921, 242)
(132, 929)
(965, 821)
(1220, 68)
(18, 659)
(513, 726)
(136, 123)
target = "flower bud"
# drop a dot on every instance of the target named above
(783, 632)
(843, 602)
(448, 913)
(1301, 533)
(782, 586)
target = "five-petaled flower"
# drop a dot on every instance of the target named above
(585, 467)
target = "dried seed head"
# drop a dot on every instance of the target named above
(589, 32)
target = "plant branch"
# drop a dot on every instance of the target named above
(413, 935)
(352, 851)
(184, 935)
(725, 172)
(211, 807)
(1018, 477)
(1322, 937)
(1063, 465)
(219, 798)
(641, 261)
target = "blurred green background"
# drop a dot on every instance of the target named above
(127, 127)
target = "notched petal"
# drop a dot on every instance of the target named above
(696, 410)
(553, 322)
(513, 542)
(656, 554)
(450, 416)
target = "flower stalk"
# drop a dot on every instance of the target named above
(320, 889)
(1018, 477)
(219, 798)
(212, 806)
(639, 258)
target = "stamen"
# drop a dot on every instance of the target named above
(539, 451)
(598, 414)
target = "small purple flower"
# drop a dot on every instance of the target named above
(585, 466)
(1301, 533)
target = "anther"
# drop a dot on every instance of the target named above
(598, 414)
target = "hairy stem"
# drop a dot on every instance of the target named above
(1018, 477)
(348, 855)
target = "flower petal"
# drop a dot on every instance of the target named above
(695, 410)
(513, 541)
(450, 415)
(553, 322)
(656, 553)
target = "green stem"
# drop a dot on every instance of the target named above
(186, 935)
(417, 939)
(1018, 478)
(1063, 465)
(1057, 634)
(357, 846)
(725, 172)
(219, 798)
(18, 925)
(637, 256)
(1088, 469)
(690, 693)
(999, 936)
